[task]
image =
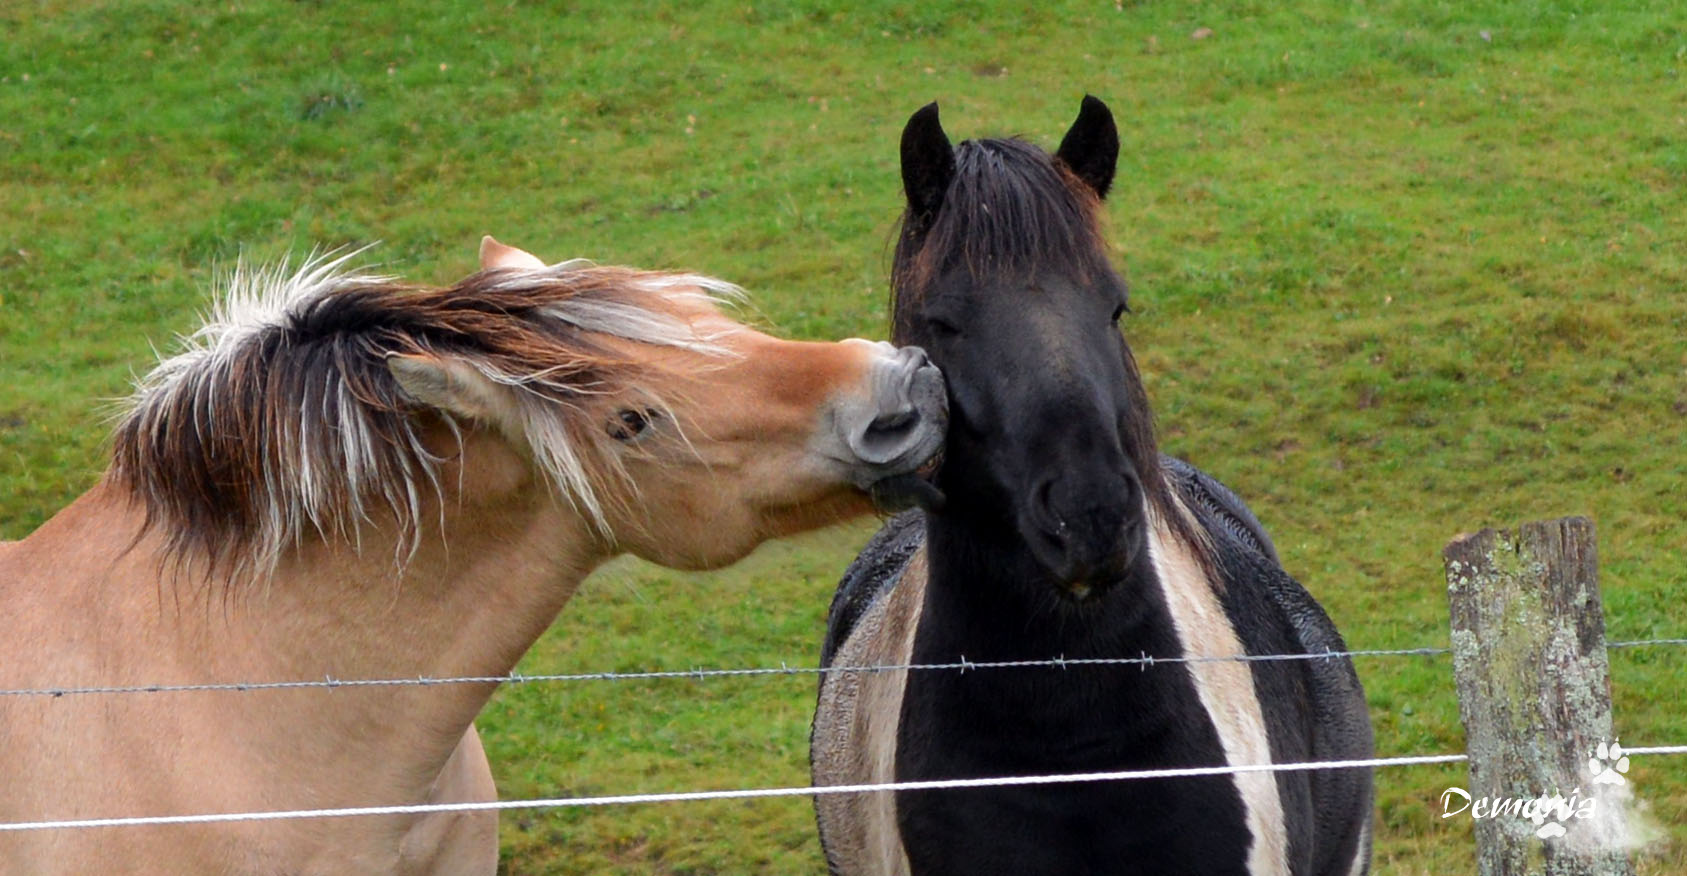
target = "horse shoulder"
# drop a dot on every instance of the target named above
(1236, 531)
(457, 842)
(1227, 691)
(1322, 696)
(1306, 623)
(855, 725)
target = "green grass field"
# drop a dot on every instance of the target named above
(1401, 270)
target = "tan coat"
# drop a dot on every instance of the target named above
(766, 438)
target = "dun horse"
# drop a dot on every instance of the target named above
(347, 476)
(1066, 534)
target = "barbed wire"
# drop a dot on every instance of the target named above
(1636, 643)
(962, 665)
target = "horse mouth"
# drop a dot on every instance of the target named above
(893, 433)
(904, 491)
(1086, 591)
(1090, 578)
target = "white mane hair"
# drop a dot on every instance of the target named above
(279, 416)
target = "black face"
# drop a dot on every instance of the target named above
(1046, 416)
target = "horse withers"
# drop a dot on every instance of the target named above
(356, 478)
(1065, 534)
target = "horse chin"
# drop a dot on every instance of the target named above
(1086, 590)
(1080, 592)
(905, 491)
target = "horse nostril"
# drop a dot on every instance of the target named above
(1132, 491)
(900, 423)
(887, 437)
(1083, 529)
(1048, 520)
(893, 422)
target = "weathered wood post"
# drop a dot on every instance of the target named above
(1535, 696)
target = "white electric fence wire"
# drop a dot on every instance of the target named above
(739, 794)
(760, 793)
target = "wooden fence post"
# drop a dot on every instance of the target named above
(1535, 696)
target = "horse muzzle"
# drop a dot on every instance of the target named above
(891, 434)
(1086, 531)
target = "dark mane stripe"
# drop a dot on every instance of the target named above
(282, 418)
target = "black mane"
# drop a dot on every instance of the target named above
(1010, 209)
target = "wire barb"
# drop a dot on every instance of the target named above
(1144, 661)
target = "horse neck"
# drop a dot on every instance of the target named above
(486, 580)
(482, 586)
(988, 576)
(981, 604)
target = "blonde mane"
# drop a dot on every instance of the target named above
(280, 417)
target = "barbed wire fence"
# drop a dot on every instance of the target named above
(703, 673)
(1142, 661)
(1537, 571)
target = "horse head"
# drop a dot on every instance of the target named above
(1002, 276)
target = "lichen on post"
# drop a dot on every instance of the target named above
(1528, 637)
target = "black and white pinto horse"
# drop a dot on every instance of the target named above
(1064, 533)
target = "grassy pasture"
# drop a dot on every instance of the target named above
(1401, 270)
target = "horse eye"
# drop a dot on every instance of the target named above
(629, 424)
(943, 328)
(1119, 312)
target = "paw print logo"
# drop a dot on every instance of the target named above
(1548, 814)
(1608, 764)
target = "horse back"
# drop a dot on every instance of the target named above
(874, 572)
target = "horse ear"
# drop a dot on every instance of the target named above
(928, 161)
(498, 255)
(1091, 147)
(452, 386)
